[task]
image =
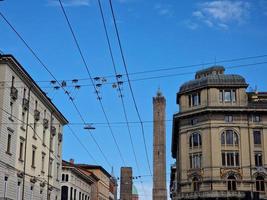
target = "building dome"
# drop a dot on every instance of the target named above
(213, 76)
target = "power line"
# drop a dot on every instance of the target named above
(46, 68)
(129, 82)
(119, 87)
(92, 82)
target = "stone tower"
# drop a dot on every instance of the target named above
(159, 148)
(126, 183)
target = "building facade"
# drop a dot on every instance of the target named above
(31, 131)
(76, 183)
(219, 139)
(106, 186)
(159, 148)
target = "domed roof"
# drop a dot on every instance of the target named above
(134, 190)
(214, 80)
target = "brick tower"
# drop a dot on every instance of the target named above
(159, 148)
(126, 183)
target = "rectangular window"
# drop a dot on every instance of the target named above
(34, 130)
(258, 159)
(194, 121)
(33, 156)
(58, 165)
(21, 150)
(5, 186)
(257, 137)
(11, 109)
(194, 99)
(227, 95)
(8, 149)
(256, 118)
(23, 119)
(228, 118)
(43, 162)
(44, 133)
(195, 160)
(50, 167)
(230, 158)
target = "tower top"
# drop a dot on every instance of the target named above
(159, 93)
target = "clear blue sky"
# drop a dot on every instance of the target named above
(155, 34)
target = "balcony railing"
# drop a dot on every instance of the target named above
(25, 104)
(36, 115)
(45, 123)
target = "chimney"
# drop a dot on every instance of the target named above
(72, 161)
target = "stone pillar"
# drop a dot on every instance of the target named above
(126, 183)
(159, 148)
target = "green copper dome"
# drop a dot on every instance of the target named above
(134, 190)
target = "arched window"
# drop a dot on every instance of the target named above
(260, 187)
(231, 183)
(67, 177)
(63, 177)
(196, 184)
(229, 137)
(195, 140)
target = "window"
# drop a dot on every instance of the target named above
(58, 165)
(31, 193)
(71, 191)
(11, 109)
(23, 119)
(230, 158)
(50, 167)
(5, 186)
(260, 186)
(257, 137)
(21, 149)
(229, 137)
(34, 129)
(195, 160)
(67, 177)
(231, 183)
(196, 184)
(227, 95)
(228, 118)
(33, 156)
(194, 99)
(258, 159)
(63, 177)
(18, 190)
(194, 121)
(44, 133)
(195, 140)
(256, 118)
(43, 162)
(8, 149)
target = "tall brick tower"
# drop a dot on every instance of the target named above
(126, 183)
(159, 148)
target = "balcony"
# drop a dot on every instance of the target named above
(36, 115)
(25, 104)
(53, 131)
(13, 93)
(45, 123)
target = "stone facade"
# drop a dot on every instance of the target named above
(31, 130)
(126, 183)
(76, 183)
(219, 139)
(159, 148)
(106, 186)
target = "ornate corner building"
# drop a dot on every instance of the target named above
(219, 139)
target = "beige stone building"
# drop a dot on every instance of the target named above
(219, 139)
(106, 184)
(30, 136)
(76, 183)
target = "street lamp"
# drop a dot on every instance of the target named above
(89, 127)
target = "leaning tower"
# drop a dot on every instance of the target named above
(159, 148)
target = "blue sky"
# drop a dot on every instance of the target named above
(155, 34)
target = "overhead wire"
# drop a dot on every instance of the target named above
(51, 74)
(119, 88)
(91, 79)
(129, 83)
